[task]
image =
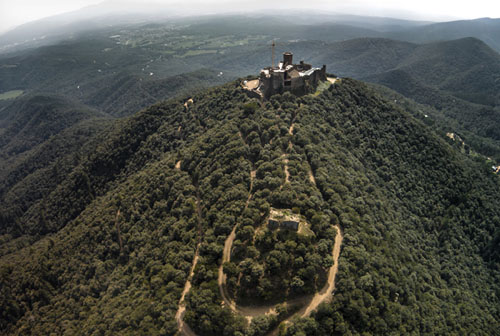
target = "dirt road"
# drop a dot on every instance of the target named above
(310, 302)
(183, 327)
(325, 293)
(285, 168)
(251, 311)
(311, 178)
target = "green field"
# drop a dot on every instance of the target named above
(10, 94)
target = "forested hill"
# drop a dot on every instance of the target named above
(111, 247)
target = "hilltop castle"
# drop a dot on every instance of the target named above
(297, 78)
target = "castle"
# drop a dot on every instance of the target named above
(299, 78)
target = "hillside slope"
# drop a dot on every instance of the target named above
(458, 79)
(467, 68)
(42, 137)
(173, 181)
(30, 120)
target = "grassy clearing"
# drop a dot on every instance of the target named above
(304, 229)
(11, 94)
(321, 87)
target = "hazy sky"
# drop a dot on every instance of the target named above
(16, 12)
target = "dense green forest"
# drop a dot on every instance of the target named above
(107, 245)
(43, 138)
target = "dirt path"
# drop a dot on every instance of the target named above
(310, 302)
(325, 293)
(284, 157)
(248, 312)
(311, 177)
(285, 169)
(178, 165)
(184, 329)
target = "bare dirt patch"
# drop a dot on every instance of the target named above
(331, 79)
(188, 102)
(251, 84)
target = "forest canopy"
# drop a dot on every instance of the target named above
(109, 247)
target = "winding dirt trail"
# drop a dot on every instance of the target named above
(309, 302)
(325, 293)
(184, 329)
(285, 169)
(248, 312)
(284, 157)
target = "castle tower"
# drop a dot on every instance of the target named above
(287, 58)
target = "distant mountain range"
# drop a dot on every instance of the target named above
(281, 24)
(485, 29)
